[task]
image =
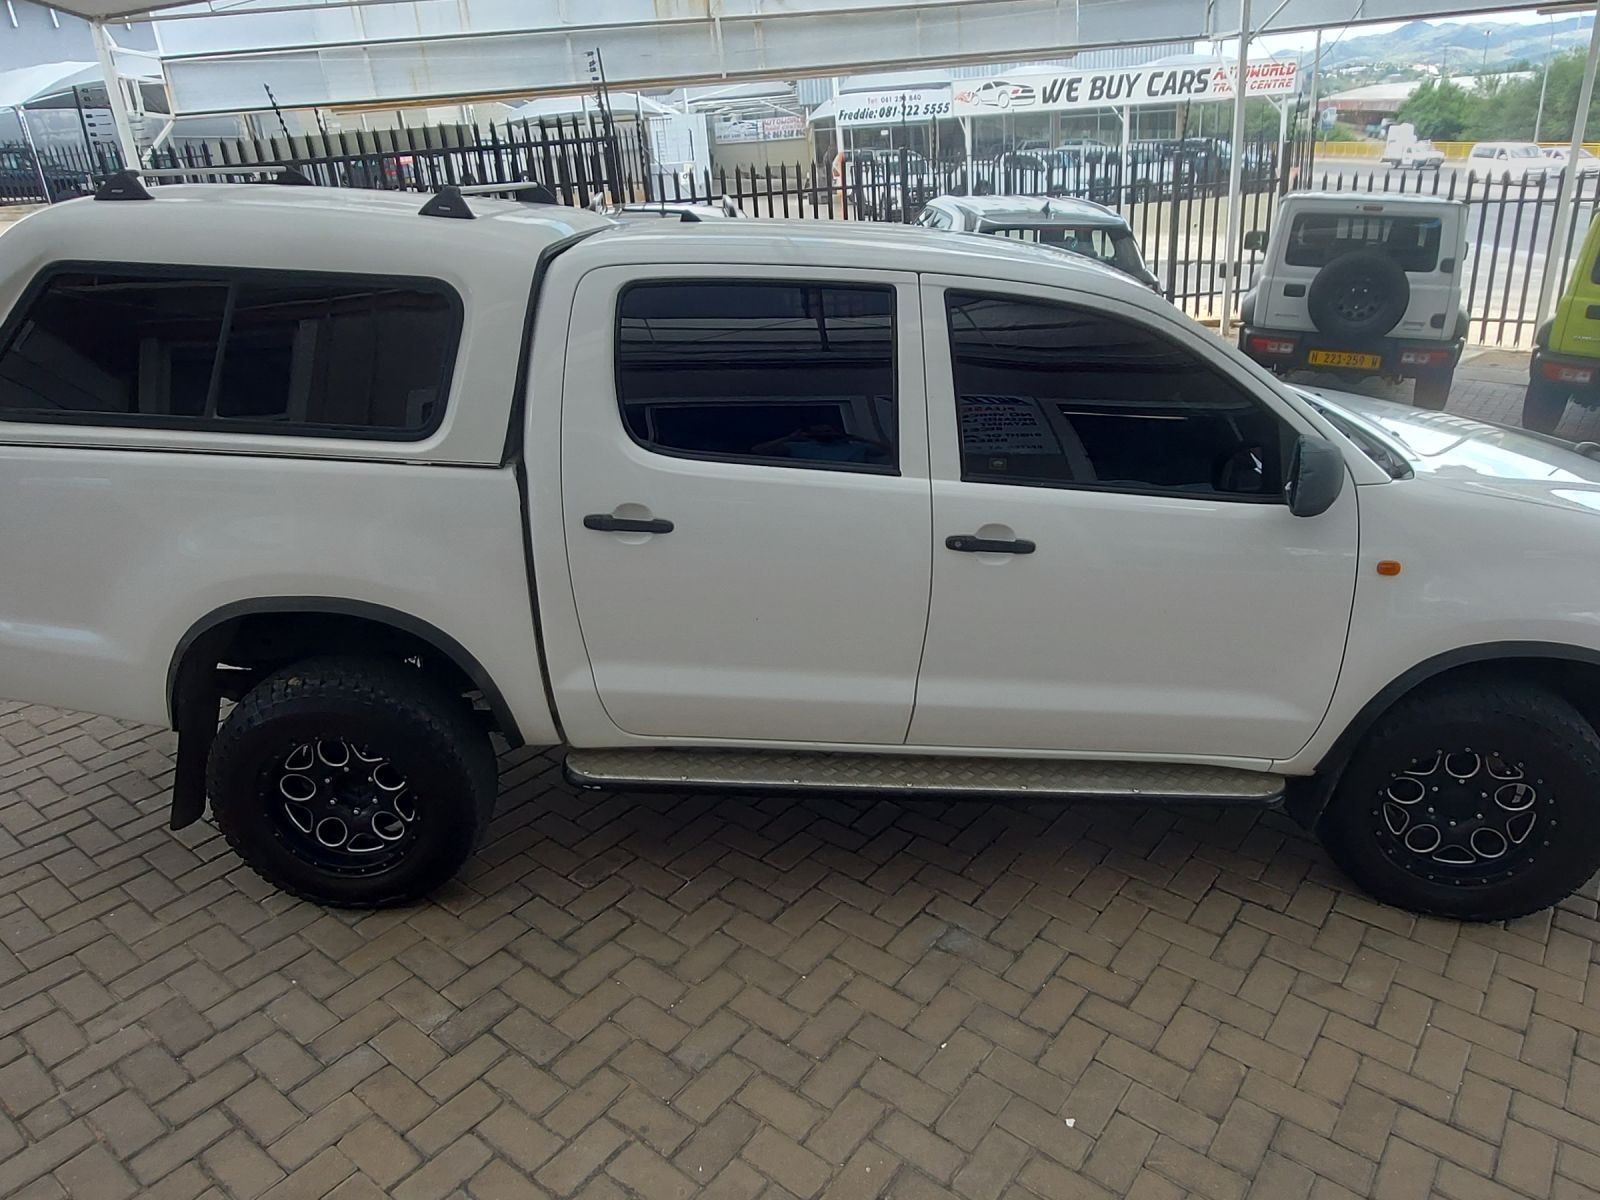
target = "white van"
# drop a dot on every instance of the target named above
(1519, 160)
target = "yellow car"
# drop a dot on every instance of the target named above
(1566, 355)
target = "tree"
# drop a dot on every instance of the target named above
(1506, 109)
(1440, 109)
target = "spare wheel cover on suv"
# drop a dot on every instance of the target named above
(1361, 294)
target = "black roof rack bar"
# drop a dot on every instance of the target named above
(529, 191)
(126, 185)
(447, 202)
(291, 175)
(122, 185)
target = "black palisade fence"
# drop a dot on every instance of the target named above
(1173, 193)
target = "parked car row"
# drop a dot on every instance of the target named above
(889, 184)
(1519, 160)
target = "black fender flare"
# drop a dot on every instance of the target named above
(1309, 795)
(192, 695)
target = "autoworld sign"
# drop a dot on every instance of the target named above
(764, 129)
(1058, 91)
(892, 107)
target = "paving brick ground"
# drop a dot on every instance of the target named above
(649, 996)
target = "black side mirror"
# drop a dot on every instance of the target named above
(1316, 476)
(1255, 240)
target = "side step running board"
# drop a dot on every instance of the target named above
(766, 770)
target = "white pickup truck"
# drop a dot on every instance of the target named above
(759, 505)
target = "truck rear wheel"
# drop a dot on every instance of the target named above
(1543, 406)
(1475, 803)
(352, 782)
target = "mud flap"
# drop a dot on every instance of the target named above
(1306, 796)
(195, 717)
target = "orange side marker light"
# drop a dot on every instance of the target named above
(1388, 566)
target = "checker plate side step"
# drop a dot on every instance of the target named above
(769, 770)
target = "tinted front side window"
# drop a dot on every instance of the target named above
(801, 374)
(1316, 239)
(1052, 395)
(283, 353)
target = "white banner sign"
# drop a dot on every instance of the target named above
(1058, 91)
(892, 107)
(763, 129)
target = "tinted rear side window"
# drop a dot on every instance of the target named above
(798, 374)
(248, 351)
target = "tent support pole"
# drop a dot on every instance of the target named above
(104, 51)
(1230, 256)
(1566, 199)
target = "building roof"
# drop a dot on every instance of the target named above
(1377, 97)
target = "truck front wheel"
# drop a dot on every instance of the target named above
(352, 782)
(1474, 803)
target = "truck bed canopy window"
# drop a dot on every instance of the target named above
(251, 351)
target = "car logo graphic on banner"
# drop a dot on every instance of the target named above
(999, 93)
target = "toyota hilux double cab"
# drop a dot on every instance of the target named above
(350, 489)
(1361, 284)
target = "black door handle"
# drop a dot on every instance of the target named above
(968, 544)
(606, 523)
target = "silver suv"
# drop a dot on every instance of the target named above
(1079, 227)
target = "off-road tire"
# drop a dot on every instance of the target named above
(1543, 406)
(429, 736)
(1432, 391)
(1421, 751)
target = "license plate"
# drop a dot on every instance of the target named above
(1343, 358)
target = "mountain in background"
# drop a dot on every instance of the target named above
(1456, 46)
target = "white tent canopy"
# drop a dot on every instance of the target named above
(622, 104)
(105, 9)
(25, 85)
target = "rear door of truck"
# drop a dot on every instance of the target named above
(746, 504)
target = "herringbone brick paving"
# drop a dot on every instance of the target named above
(657, 997)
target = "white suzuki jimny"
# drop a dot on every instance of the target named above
(1361, 284)
(759, 505)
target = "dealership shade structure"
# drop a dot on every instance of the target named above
(224, 57)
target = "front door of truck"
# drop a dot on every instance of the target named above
(746, 500)
(1115, 569)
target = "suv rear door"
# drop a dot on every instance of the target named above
(1427, 245)
(746, 500)
(1115, 570)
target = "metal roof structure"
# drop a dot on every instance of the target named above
(221, 55)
